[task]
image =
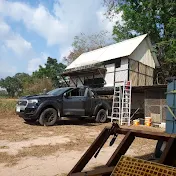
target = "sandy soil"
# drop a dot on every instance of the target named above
(30, 149)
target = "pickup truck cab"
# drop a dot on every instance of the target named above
(62, 102)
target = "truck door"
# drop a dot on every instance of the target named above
(90, 103)
(74, 102)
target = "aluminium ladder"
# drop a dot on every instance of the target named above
(116, 104)
(126, 103)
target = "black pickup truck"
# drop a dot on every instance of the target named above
(62, 102)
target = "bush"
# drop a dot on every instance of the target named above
(37, 86)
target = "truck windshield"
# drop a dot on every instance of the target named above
(57, 91)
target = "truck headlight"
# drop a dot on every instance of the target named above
(33, 101)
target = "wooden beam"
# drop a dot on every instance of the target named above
(121, 149)
(168, 156)
(103, 136)
(73, 81)
(80, 80)
(96, 172)
(145, 134)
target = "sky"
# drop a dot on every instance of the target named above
(32, 30)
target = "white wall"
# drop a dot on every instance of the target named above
(121, 74)
(143, 54)
(122, 71)
(109, 76)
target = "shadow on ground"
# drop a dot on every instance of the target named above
(148, 157)
(73, 121)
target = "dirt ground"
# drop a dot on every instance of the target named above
(31, 149)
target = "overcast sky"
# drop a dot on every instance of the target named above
(32, 30)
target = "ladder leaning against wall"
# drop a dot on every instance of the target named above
(121, 106)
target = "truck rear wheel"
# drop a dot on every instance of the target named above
(48, 117)
(101, 116)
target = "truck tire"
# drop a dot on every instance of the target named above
(48, 117)
(101, 116)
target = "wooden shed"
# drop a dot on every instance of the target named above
(133, 59)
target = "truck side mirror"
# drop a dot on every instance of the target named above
(65, 95)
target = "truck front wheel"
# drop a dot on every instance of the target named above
(48, 117)
(101, 116)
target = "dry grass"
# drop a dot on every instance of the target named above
(13, 128)
(7, 106)
(8, 159)
(39, 151)
(34, 151)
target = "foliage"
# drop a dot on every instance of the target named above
(51, 70)
(84, 43)
(23, 77)
(155, 17)
(46, 78)
(38, 86)
(12, 85)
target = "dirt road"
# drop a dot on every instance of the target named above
(30, 149)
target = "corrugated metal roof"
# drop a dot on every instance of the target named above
(121, 49)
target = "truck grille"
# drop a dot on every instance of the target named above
(22, 102)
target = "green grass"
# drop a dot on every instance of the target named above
(7, 106)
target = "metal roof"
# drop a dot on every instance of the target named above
(121, 49)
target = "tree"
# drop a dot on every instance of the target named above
(51, 70)
(12, 85)
(23, 77)
(84, 43)
(157, 18)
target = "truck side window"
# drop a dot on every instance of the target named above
(76, 92)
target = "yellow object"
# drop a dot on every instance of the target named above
(148, 123)
(136, 122)
(137, 167)
(148, 119)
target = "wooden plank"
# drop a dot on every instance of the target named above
(145, 134)
(133, 76)
(98, 171)
(142, 68)
(141, 80)
(168, 156)
(149, 71)
(104, 135)
(133, 65)
(121, 149)
(149, 81)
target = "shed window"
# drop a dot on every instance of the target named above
(117, 63)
